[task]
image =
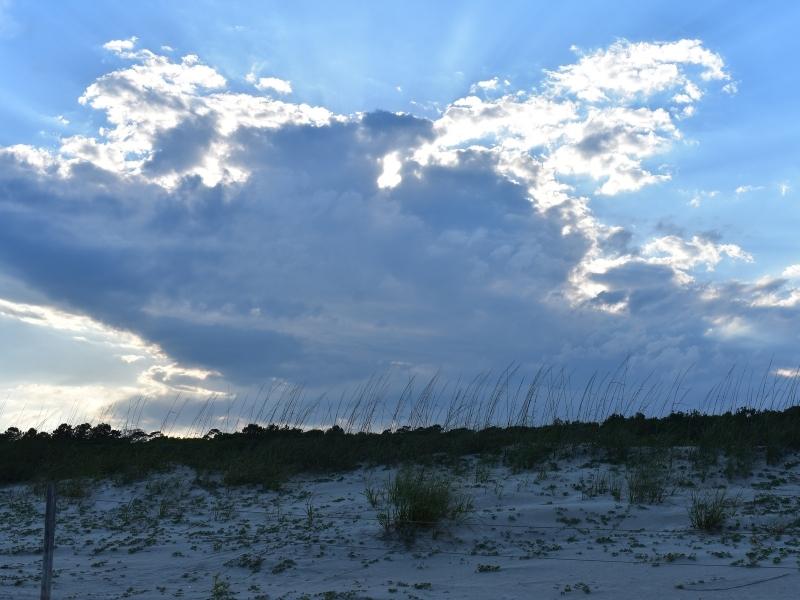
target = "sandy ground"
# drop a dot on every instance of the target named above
(550, 533)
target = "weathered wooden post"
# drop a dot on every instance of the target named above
(49, 540)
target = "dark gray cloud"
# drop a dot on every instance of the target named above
(308, 271)
(182, 146)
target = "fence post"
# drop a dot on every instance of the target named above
(49, 540)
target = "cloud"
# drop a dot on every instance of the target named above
(700, 196)
(602, 117)
(81, 366)
(792, 272)
(271, 83)
(44, 406)
(390, 175)
(130, 358)
(121, 47)
(746, 189)
(249, 238)
(39, 159)
(59, 320)
(611, 145)
(788, 373)
(627, 71)
(732, 87)
(157, 102)
(684, 255)
(489, 85)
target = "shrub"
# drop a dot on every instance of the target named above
(259, 471)
(68, 488)
(774, 453)
(415, 499)
(709, 511)
(523, 457)
(74, 488)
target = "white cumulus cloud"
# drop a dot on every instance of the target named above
(629, 70)
(122, 47)
(156, 100)
(792, 272)
(270, 83)
(685, 255)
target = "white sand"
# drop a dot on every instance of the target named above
(537, 533)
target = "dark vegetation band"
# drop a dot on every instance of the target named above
(268, 455)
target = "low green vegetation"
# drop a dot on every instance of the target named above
(708, 511)
(267, 455)
(221, 589)
(648, 481)
(417, 499)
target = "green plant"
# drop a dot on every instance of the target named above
(264, 471)
(702, 459)
(74, 488)
(415, 499)
(311, 513)
(268, 454)
(600, 483)
(647, 482)
(252, 562)
(739, 461)
(284, 565)
(482, 471)
(615, 487)
(374, 496)
(577, 587)
(221, 590)
(774, 453)
(709, 511)
(487, 568)
(526, 456)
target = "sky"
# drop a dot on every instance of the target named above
(199, 199)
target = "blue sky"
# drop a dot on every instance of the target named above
(323, 191)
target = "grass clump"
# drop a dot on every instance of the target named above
(284, 565)
(709, 511)
(600, 483)
(221, 589)
(252, 562)
(487, 568)
(648, 482)
(415, 499)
